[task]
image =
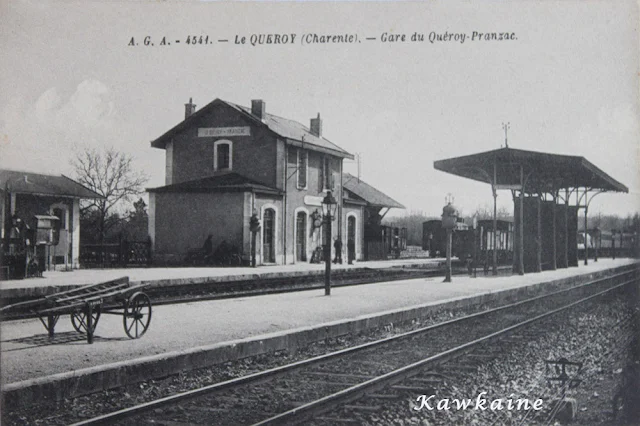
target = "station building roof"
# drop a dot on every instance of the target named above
(293, 132)
(19, 182)
(227, 182)
(368, 193)
(544, 172)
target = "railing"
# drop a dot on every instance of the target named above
(121, 254)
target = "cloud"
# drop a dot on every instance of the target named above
(43, 135)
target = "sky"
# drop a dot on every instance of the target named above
(567, 84)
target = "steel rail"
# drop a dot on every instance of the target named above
(306, 411)
(267, 374)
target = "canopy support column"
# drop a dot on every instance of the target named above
(554, 261)
(586, 246)
(538, 235)
(566, 229)
(495, 219)
(521, 225)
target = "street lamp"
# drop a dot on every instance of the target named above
(329, 206)
(448, 222)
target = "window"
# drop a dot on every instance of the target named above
(222, 155)
(61, 214)
(268, 236)
(303, 159)
(326, 174)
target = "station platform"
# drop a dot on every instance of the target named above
(29, 357)
(53, 281)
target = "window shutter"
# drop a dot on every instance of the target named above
(321, 175)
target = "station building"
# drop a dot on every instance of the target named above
(41, 213)
(226, 162)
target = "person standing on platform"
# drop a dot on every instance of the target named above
(337, 245)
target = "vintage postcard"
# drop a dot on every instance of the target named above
(236, 168)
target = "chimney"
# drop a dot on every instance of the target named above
(189, 108)
(316, 126)
(257, 108)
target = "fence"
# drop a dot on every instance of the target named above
(121, 254)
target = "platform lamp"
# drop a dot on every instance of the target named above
(329, 206)
(449, 217)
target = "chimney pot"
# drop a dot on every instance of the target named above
(258, 108)
(189, 108)
(316, 126)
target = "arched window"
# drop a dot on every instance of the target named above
(268, 236)
(222, 155)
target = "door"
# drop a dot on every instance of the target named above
(268, 236)
(301, 237)
(351, 238)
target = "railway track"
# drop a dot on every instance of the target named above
(297, 392)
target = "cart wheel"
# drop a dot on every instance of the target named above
(79, 320)
(137, 315)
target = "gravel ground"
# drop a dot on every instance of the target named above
(597, 336)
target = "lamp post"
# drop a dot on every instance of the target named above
(329, 206)
(448, 223)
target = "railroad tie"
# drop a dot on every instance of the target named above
(368, 408)
(335, 420)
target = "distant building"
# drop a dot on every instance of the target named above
(226, 162)
(37, 200)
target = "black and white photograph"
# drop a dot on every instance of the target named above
(320, 212)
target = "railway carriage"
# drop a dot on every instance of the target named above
(434, 240)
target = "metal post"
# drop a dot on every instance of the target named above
(521, 225)
(566, 229)
(475, 250)
(447, 278)
(495, 220)
(327, 257)
(613, 245)
(554, 261)
(596, 244)
(586, 249)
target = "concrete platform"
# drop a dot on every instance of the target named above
(53, 281)
(190, 335)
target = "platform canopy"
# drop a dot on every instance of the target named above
(539, 171)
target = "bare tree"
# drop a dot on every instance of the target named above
(111, 174)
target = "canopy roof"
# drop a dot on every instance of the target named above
(38, 184)
(543, 172)
(226, 182)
